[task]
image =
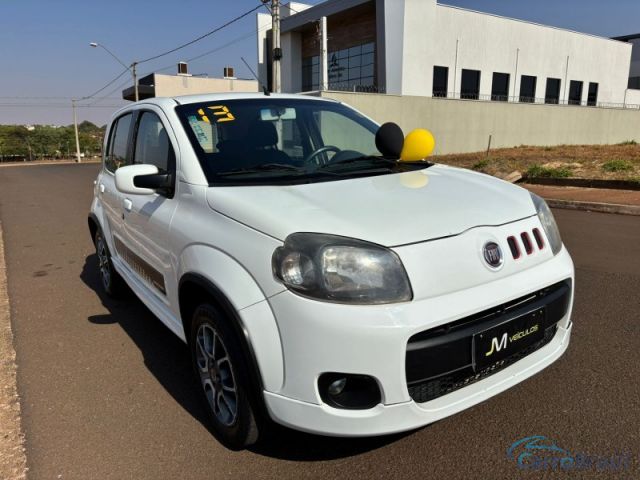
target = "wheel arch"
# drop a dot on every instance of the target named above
(94, 225)
(195, 289)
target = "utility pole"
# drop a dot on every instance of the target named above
(75, 126)
(277, 50)
(135, 79)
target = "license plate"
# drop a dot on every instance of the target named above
(502, 341)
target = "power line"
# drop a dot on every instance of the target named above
(197, 57)
(126, 70)
(201, 36)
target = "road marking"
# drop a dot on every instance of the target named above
(13, 461)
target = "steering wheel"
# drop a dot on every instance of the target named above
(321, 150)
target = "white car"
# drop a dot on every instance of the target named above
(319, 282)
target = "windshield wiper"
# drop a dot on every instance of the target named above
(387, 162)
(361, 158)
(265, 167)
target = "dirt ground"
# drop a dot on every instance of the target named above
(12, 455)
(609, 162)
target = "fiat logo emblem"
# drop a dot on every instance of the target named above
(493, 255)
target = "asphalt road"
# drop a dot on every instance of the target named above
(107, 391)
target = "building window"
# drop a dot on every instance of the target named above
(592, 99)
(470, 88)
(311, 73)
(528, 88)
(440, 81)
(500, 87)
(350, 69)
(575, 92)
(552, 94)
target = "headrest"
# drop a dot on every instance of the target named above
(263, 134)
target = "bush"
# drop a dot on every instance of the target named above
(617, 166)
(629, 142)
(546, 172)
(480, 165)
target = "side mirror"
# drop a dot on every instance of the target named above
(141, 179)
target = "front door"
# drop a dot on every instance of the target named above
(147, 218)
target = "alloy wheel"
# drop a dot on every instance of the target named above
(216, 374)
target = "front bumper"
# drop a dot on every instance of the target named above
(322, 337)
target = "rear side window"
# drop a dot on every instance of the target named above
(116, 156)
(153, 146)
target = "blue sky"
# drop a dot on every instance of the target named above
(44, 44)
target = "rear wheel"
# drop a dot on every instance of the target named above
(221, 371)
(112, 282)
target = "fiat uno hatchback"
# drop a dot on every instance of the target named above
(318, 281)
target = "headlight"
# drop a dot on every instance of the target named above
(548, 223)
(341, 270)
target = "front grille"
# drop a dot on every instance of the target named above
(440, 360)
(432, 389)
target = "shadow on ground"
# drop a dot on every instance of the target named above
(167, 358)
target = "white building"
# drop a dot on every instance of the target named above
(420, 47)
(634, 73)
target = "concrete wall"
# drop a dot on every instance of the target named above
(461, 126)
(174, 85)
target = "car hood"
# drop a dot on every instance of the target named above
(389, 210)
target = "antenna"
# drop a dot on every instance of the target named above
(264, 88)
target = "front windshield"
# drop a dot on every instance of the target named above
(264, 140)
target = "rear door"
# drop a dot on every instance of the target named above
(117, 154)
(147, 218)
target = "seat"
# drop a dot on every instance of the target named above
(263, 141)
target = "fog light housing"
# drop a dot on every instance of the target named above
(348, 391)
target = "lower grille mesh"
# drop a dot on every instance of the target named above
(431, 389)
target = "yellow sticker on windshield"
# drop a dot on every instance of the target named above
(203, 117)
(223, 113)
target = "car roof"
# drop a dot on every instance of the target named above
(169, 102)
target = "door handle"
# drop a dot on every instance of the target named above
(101, 188)
(128, 204)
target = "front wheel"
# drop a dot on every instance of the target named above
(221, 371)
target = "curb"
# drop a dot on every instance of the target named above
(59, 162)
(595, 207)
(584, 183)
(13, 464)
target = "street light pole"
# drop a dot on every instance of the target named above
(75, 126)
(131, 68)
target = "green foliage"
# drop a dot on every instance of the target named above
(480, 165)
(45, 141)
(629, 142)
(538, 171)
(617, 166)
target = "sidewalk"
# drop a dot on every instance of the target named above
(593, 199)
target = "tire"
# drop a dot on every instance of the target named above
(112, 283)
(222, 375)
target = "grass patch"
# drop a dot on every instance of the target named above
(480, 165)
(628, 142)
(617, 166)
(537, 171)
